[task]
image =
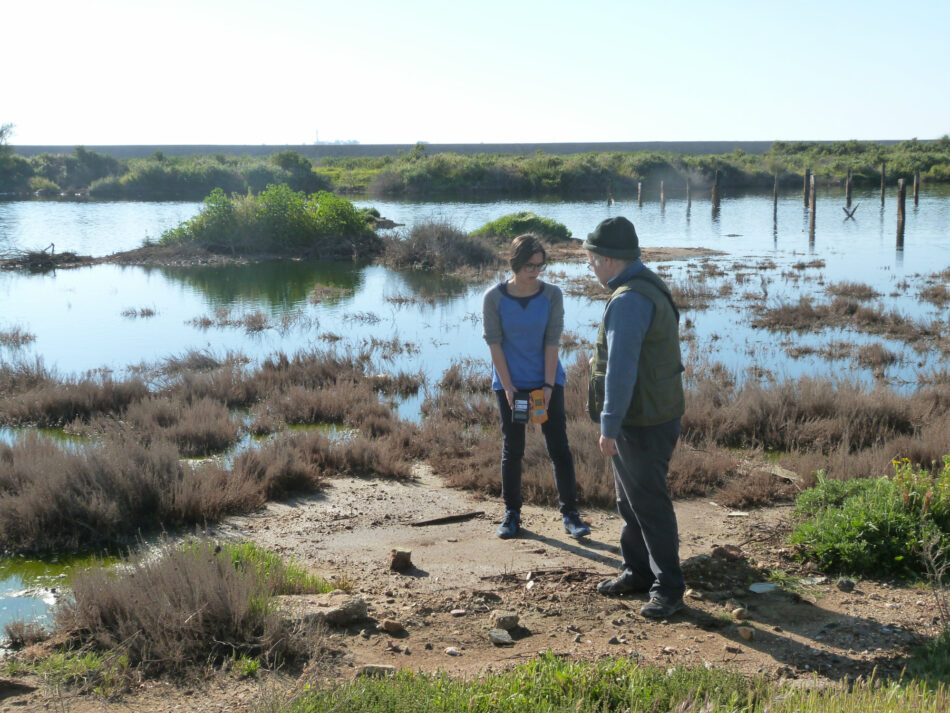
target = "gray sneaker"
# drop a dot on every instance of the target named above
(660, 607)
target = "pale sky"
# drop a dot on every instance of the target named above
(96, 72)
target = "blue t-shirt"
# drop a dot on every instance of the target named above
(524, 326)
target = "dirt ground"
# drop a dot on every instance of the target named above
(806, 627)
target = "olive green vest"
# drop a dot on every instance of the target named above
(658, 393)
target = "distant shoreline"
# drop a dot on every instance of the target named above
(369, 150)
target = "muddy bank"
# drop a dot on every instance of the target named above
(174, 256)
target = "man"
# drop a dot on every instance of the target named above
(636, 393)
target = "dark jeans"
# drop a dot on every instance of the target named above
(649, 540)
(555, 437)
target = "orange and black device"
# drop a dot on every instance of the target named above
(539, 414)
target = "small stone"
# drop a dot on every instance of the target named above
(376, 670)
(428, 646)
(613, 640)
(500, 637)
(452, 651)
(733, 649)
(709, 665)
(762, 587)
(458, 612)
(845, 584)
(577, 638)
(740, 613)
(391, 626)
(400, 559)
(364, 633)
(693, 594)
(530, 585)
(747, 632)
(501, 619)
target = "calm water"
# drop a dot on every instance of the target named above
(77, 315)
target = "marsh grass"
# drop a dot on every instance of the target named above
(693, 293)
(188, 607)
(936, 294)
(854, 290)
(328, 293)
(140, 313)
(21, 634)
(16, 337)
(464, 446)
(198, 428)
(53, 403)
(806, 316)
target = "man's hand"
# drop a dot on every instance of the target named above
(547, 396)
(608, 446)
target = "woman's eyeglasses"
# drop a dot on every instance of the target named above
(535, 266)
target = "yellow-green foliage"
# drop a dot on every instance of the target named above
(278, 220)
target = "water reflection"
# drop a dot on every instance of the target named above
(280, 285)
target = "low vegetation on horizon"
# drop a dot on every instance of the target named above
(419, 174)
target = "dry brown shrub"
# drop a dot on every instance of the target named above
(16, 337)
(197, 428)
(185, 608)
(21, 634)
(698, 471)
(52, 403)
(756, 489)
(854, 290)
(936, 294)
(21, 376)
(875, 356)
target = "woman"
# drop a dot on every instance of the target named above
(523, 318)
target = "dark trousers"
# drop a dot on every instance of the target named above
(649, 540)
(555, 437)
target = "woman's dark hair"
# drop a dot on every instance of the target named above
(522, 248)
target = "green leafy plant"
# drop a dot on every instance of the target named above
(876, 525)
(514, 224)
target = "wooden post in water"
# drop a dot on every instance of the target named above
(715, 187)
(901, 197)
(811, 207)
(689, 200)
(916, 187)
(640, 193)
(662, 196)
(883, 177)
(775, 199)
(805, 188)
(847, 190)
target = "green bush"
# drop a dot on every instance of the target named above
(876, 526)
(514, 224)
(43, 186)
(278, 221)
